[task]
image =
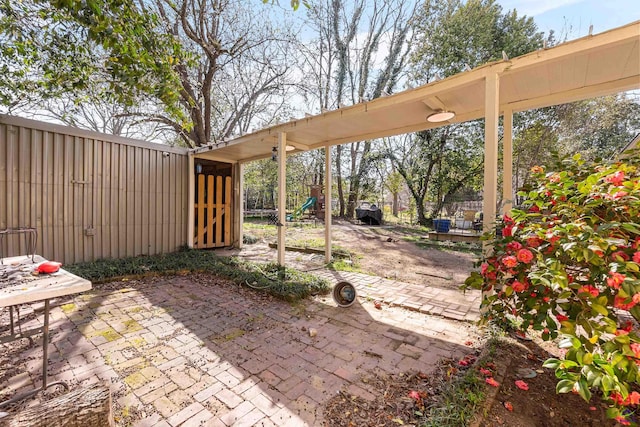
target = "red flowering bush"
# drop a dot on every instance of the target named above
(568, 263)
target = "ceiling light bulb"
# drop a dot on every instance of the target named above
(440, 116)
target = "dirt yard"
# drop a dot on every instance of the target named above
(385, 251)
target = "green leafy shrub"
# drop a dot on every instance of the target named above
(568, 263)
(284, 283)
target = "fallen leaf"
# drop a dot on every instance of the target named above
(509, 406)
(398, 421)
(522, 385)
(492, 382)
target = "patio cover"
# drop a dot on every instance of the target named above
(592, 66)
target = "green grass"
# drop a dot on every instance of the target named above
(457, 403)
(460, 398)
(351, 263)
(285, 283)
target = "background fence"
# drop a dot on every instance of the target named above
(89, 195)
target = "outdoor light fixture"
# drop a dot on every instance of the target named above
(440, 116)
(198, 168)
(290, 148)
(274, 154)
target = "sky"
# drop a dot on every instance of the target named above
(575, 16)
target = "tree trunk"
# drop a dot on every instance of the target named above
(422, 219)
(395, 204)
(84, 407)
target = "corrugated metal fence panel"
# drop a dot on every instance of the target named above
(89, 195)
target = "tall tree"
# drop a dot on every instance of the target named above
(200, 59)
(53, 48)
(452, 35)
(359, 52)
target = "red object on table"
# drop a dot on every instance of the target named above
(49, 267)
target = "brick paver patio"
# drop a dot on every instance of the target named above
(426, 297)
(194, 351)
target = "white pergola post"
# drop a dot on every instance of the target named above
(191, 200)
(507, 158)
(328, 179)
(239, 209)
(490, 189)
(282, 194)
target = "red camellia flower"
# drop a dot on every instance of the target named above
(615, 280)
(618, 195)
(514, 246)
(616, 178)
(534, 209)
(619, 302)
(617, 398)
(492, 382)
(636, 257)
(561, 317)
(624, 329)
(636, 298)
(622, 420)
(486, 372)
(518, 286)
(589, 290)
(534, 241)
(483, 268)
(507, 231)
(510, 261)
(635, 347)
(620, 254)
(525, 255)
(633, 398)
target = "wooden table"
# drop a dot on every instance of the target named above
(18, 285)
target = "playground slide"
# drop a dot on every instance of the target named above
(307, 205)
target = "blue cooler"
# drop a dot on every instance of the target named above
(442, 225)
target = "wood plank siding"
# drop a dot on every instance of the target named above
(89, 195)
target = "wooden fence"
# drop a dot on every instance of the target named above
(89, 195)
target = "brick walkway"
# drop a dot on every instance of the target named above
(449, 303)
(425, 298)
(193, 351)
